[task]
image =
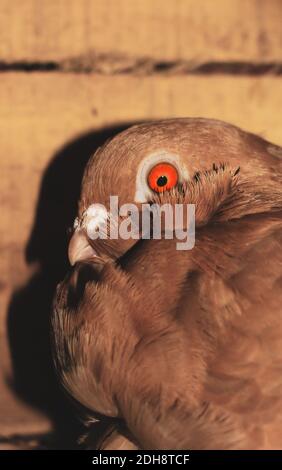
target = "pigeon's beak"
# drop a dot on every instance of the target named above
(80, 248)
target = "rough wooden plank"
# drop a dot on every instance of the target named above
(191, 30)
(46, 116)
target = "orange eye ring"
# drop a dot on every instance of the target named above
(162, 177)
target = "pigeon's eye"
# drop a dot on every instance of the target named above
(162, 177)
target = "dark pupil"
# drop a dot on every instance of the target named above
(162, 181)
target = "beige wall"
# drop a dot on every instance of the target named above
(112, 63)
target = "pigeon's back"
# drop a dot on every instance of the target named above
(245, 375)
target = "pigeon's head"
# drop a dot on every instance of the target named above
(159, 162)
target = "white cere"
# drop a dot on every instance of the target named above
(94, 218)
(76, 223)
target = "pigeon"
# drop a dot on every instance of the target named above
(177, 348)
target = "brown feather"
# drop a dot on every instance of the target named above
(184, 347)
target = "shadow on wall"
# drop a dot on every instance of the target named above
(29, 311)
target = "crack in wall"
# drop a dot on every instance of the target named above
(116, 65)
(26, 439)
